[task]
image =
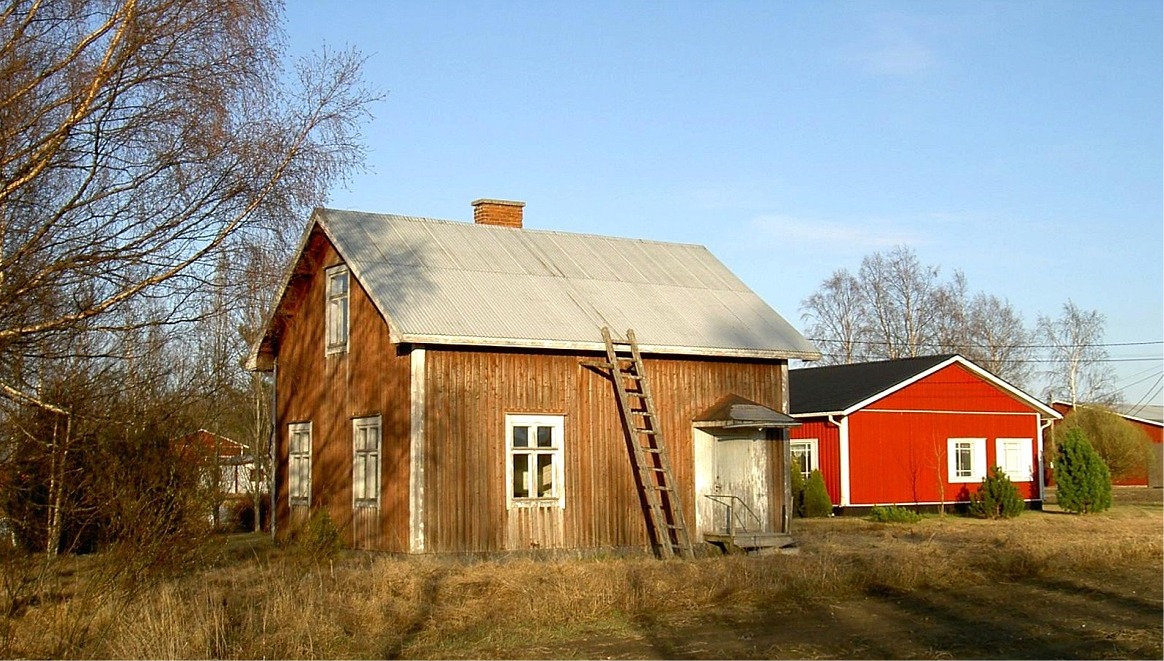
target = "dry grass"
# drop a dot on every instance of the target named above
(254, 601)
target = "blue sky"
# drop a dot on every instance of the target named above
(1018, 142)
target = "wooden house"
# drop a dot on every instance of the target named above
(225, 463)
(1148, 418)
(915, 431)
(225, 467)
(445, 387)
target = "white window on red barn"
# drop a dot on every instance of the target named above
(366, 462)
(1015, 457)
(805, 452)
(534, 460)
(967, 459)
(337, 309)
(299, 463)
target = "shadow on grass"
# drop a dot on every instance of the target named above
(428, 601)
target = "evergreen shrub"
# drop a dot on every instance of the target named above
(797, 479)
(816, 497)
(1082, 479)
(893, 514)
(997, 497)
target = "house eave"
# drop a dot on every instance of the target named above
(743, 424)
(599, 347)
(819, 414)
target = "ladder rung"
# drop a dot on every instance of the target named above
(644, 430)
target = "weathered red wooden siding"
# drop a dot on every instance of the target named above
(829, 452)
(328, 391)
(952, 388)
(468, 394)
(900, 457)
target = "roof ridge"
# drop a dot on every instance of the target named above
(525, 230)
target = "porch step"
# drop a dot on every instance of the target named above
(750, 541)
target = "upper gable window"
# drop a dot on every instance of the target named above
(337, 309)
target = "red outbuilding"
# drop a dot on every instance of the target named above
(915, 431)
(1148, 418)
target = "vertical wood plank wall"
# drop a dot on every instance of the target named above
(467, 395)
(370, 379)
(470, 392)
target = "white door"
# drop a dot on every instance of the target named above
(736, 472)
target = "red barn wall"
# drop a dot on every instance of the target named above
(952, 388)
(901, 457)
(898, 444)
(828, 439)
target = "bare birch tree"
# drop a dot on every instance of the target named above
(897, 307)
(900, 292)
(997, 339)
(837, 311)
(1079, 371)
(138, 140)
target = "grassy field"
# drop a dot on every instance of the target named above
(1045, 585)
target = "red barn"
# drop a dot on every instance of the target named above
(1149, 419)
(915, 431)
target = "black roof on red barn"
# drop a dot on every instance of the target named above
(835, 388)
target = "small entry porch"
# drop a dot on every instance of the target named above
(742, 486)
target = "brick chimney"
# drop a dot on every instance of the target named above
(502, 213)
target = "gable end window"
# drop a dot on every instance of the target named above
(967, 459)
(337, 309)
(533, 461)
(299, 463)
(366, 462)
(1015, 457)
(805, 452)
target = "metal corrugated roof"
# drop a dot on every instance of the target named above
(448, 282)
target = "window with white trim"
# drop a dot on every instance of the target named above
(967, 459)
(534, 464)
(1015, 457)
(337, 309)
(299, 463)
(804, 451)
(366, 462)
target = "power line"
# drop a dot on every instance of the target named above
(1154, 373)
(1041, 361)
(1151, 395)
(985, 346)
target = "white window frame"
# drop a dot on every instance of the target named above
(299, 463)
(813, 447)
(1023, 470)
(366, 455)
(338, 318)
(976, 448)
(555, 451)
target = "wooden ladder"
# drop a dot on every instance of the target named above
(644, 435)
